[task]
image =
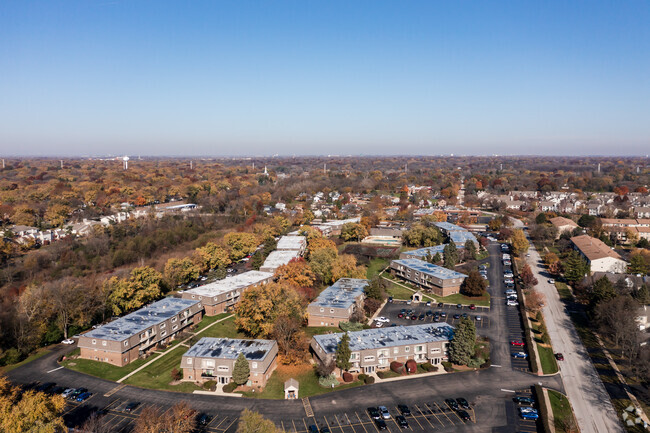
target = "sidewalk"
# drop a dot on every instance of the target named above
(182, 343)
(408, 377)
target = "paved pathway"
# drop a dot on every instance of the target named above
(591, 403)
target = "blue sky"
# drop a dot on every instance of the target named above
(245, 77)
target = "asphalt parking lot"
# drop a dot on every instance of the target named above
(512, 413)
(392, 309)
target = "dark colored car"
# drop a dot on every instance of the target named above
(465, 316)
(83, 396)
(404, 409)
(131, 406)
(401, 421)
(373, 412)
(451, 403)
(381, 424)
(325, 430)
(203, 419)
(456, 316)
(429, 313)
(421, 317)
(463, 402)
(57, 390)
(459, 306)
(523, 400)
(559, 356)
(441, 304)
(390, 299)
(464, 415)
(313, 429)
(76, 392)
(414, 316)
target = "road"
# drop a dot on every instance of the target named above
(489, 391)
(591, 403)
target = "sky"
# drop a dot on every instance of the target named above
(243, 77)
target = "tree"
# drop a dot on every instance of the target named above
(324, 369)
(241, 370)
(461, 347)
(450, 255)
(552, 262)
(95, 424)
(343, 353)
(178, 419)
(240, 244)
(575, 267)
(527, 277)
(29, 411)
(470, 250)
(535, 301)
(643, 295)
(541, 218)
(637, 265)
(615, 317)
(296, 273)
(260, 306)
(212, 256)
(321, 262)
(143, 286)
(519, 242)
(345, 266)
(292, 342)
(253, 422)
(376, 289)
(181, 271)
(474, 284)
(353, 231)
(603, 291)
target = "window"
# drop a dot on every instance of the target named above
(435, 350)
(322, 310)
(192, 296)
(419, 349)
(209, 363)
(407, 348)
(162, 334)
(331, 310)
(163, 325)
(174, 319)
(175, 327)
(354, 356)
(103, 343)
(126, 343)
(396, 350)
(200, 297)
(126, 359)
(189, 361)
(94, 341)
(223, 368)
(254, 365)
(368, 358)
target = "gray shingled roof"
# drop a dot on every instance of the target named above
(230, 348)
(341, 294)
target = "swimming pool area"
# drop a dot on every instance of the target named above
(382, 240)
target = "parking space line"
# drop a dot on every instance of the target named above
(413, 418)
(424, 416)
(372, 421)
(434, 414)
(282, 423)
(305, 423)
(220, 422)
(294, 426)
(230, 425)
(339, 422)
(350, 422)
(327, 422)
(443, 412)
(361, 422)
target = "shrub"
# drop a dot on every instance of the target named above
(176, 374)
(362, 376)
(230, 387)
(347, 377)
(397, 367)
(447, 366)
(210, 385)
(368, 380)
(474, 363)
(411, 366)
(328, 381)
(349, 326)
(428, 367)
(380, 374)
(12, 356)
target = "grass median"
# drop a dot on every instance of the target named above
(158, 374)
(103, 369)
(562, 413)
(404, 291)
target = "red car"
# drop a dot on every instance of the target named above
(516, 343)
(559, 356)
(472, 307)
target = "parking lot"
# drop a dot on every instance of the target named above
(512, 413)
(392, 310)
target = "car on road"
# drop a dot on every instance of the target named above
(559, 356)
(464, 415)
(131, 406)
(381, 424)
(83, 396)
(383, 410)
(551, 281)
(374, 413)
(404, 409)
(520, 355)
(401, 421)
(463, 402)
(452, 404)
(68, 341)
(523, 400)
(516, 343)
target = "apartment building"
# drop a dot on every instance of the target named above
(278, 258)
(292, 243)
(441, 281)
(423, 253)
(563, 225)
(127, 338)
(457, 234)
(221, 296)
(336, 303)
(600, 257)
(214, 359)
(374, 349)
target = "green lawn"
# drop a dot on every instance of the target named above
(208, 320)
(375, 266)
(318, 330)
(34, 356)
(307, 379)
(564, 291)
(158, 374)
(561, 409)
(399, 292)
(102, 369)
(547, 359)
(225, 329)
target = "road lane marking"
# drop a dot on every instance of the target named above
(55, 369)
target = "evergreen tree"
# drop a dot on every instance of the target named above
(603, 291)
(436, 258)
(575, 267)
(343, 353)
(450, 255)
(637, 265)
(375, 289)
(461, 347)
(241, 371)
(541, 218)
(643, 295)
(470, 249)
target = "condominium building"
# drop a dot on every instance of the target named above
(374, 349)
(214, 359)
(127, 338)
(441, 281)
(221, 296)
(600, 257)
(336, 303)
(292, 243)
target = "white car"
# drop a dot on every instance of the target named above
(379, 324)
(512, 303)
(479, 318)
(551, 281)
(382, 319)
(68, 341)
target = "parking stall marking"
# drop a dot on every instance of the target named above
(433, 412)
(361, 422)
(350, 422)
(305, 423)
(424, 416)
(443, 412)
(414, 418)
(372, 421)
(294, 426)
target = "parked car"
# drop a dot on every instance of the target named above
(429, 313)
(325, 430)
(374, 412)
(390, 299)
(312, 429)
(441, 304)
(516, 343)
(428, 303)
(45, 387)
(452, 403)
(381, 424)
(131, 406)
(421, 317)
(524, 400)
(443, 314)
(414, 316)
(383, 410)
(404, 409)
(67, 392)
(203, 419)
(84, 396)
(382, 319)
(559, 356)
(68, 341)
(57, 390)
(76, 392)
(520, 355)
(456, 316)
(464, 415)
(472, 307)
(401, 421)
(478, 318)
(462, 402)
(459, 306)
(529, 415)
